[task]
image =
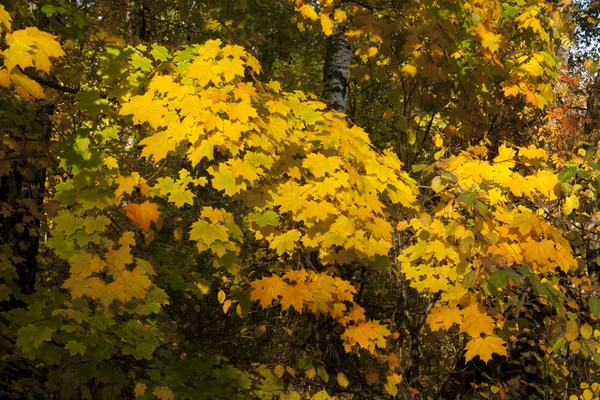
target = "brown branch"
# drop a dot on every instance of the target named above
(50, 84)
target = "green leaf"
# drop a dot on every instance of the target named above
(468, 198)
(595, 305)
(75, 348)
(323, 374)
(448, 177)
(583, 174)
(560, 343)
(481, 208)
(566, 174)
(160, 53)
(32, 336)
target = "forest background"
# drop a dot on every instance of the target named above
(299, 199)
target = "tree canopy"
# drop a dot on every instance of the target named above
(277, 199)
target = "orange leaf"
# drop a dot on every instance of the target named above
(143, 214)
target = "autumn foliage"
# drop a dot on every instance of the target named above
(184, 217)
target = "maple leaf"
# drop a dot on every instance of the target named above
(367, 335)
(231, 67)
(164, 393)
(18, 54)
(85, 264)
(485, 348)
(127, 184)
(75, 348)
(476, 322)
(223, 179)
(25, 86)
(206, 234)
(234, 51)
(489, 39)
(444, 317)
(289, 198)
(538, 252)
(197, 153)
(145, 109)
(286, 242)
(205, 71)
(157, 146)
(320, 209)
(267, 289)
(532, 67)
(241, 111)
(326, 24)
(32, 336)
(5, 20)
(143, 214)
(295, 296)
(308, 12)
(140, 389)
(319, 165)
(181, 197)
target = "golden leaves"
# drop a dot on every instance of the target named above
(485, 348)
(143, 214)
(475, 321)
(489, 40)
(318, 292)
(88, 271)
(286, 242)
(28, 47)
(5, 20)
(366, 335)
(145, 109)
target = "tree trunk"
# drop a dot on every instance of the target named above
(337, 70)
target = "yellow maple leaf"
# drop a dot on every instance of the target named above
(532, 67)
(25, 86)
(5, 20)
(127, 183)
(320, 209)
(476, 322)
(286, 242)
(234, 51)
(157, 146)
(18, 54)
(367, 335)
(85, 264)
(538, 252)
(223, 179)
(308, 12)
(289, 198)
(143, 214)
(140, 389)
(489, 39)
(230, 68)
(532, 152)
(164, 393)
(326, 24)
(295, 296)
(145, 109)
(485, 347)
(208, 233)
(205, 71)
(319, 165)
(241, 111)
(267, 289)
(546, 183)
(443, 317)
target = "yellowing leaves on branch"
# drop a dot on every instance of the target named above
(173, 226)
